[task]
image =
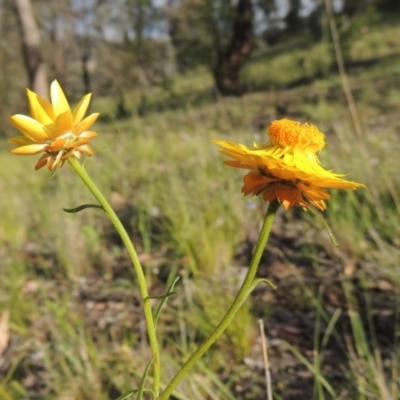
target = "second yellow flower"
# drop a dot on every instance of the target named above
(54, 129)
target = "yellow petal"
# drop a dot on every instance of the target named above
(58, 99)
(320, 204)
(313, 192)
(89, 134)
(57, 145)
(29, 127)
(75, 153)
(29, 149)
(20, 140)
(339, 184)
(80, 142)
(86, 149)
(287, 168)
(288, 159)
(39, 108)
(238, 164)
(85, 124)
(53, 162)
(244, 159)
(81, 108)
(63, 124)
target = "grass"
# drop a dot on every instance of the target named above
(76, 326)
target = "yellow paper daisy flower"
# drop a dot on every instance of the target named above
(287, 168)
(53, 129)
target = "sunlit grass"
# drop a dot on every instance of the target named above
(187, 216)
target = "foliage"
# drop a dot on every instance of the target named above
(67, 282)
(198, 29)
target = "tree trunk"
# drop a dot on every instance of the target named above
(31, 48)
(56, 35)
(293, 20)
(231, 60)
(85, 59)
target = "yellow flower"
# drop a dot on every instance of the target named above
(53, 129)
(287, 168)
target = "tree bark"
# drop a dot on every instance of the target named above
(231, 60)
(85, 62)
(31, 48)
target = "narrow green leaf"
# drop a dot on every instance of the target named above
(125, 396)
(254, 284)
(82, 207)
(257, 281)
(164, 299)
(311, 368)
(321, 218)
(53, 173)
(143, 380)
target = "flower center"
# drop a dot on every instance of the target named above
(301, 137)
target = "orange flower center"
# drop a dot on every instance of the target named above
(302, 137)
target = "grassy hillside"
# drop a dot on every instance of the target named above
(76, 328)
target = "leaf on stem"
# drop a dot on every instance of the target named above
(141, 389)
(321, 218)
(164, 299)
(125, 396)
(82, 207)
(258, 281)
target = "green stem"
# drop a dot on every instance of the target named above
(148, 315)
(237, 303)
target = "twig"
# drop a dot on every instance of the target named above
(355, 117)
(265, 358)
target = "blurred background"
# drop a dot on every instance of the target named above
(168, 76)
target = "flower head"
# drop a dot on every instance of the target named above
(53, 128)
(286, 168)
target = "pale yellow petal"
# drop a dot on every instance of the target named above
(81, 108)
(29, 149)
(39, 108)
(86, 149)
(21, 140)
(77, 154)
(29, 127)
(80, 142)
(58, 99)
(89, 134)
(54, 162)
(85, 124)
(244, 158)
(320, 204)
